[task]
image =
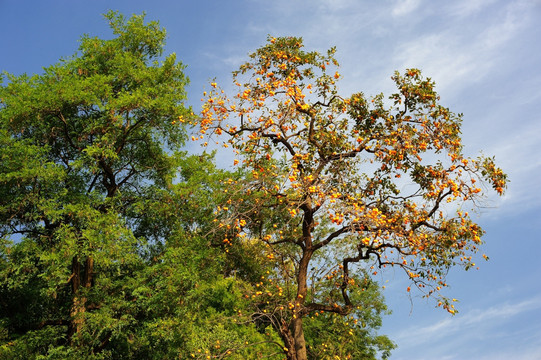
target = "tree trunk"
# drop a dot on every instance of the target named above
(289, 341)
(78, 280)
(82, 277)
(298, 311)
(298, 338)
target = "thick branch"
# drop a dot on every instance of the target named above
(332, 236)
(280, 139)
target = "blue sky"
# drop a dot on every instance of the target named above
(485, 56)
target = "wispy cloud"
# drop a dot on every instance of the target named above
(518, 154)
(511, 20)
(474, 318)
(484, 323)
(467, 8)
(459, 58)
(402, 8)
(531, 353)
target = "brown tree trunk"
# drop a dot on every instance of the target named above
(289, 342)
(79, 279)
(298, 313)
(75, 306)
(82, 278)
(298, 337)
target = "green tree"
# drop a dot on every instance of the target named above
(87, 147)
(186, 303)
(340, 184)
(104, 252)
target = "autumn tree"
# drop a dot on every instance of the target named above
(339, 186)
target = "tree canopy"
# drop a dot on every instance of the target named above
(117, 243)
(342, 186)
(102, 213)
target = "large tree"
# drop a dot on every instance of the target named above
(341, 185)
(90, 147)
(107, 241)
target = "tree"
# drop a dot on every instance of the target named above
(86, 146)
(338, 184)
(184, 303)
(103, 253)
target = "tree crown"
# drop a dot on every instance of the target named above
(373, 179)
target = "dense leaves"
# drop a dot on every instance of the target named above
(84, 146)
(115, 243)
(102, 217)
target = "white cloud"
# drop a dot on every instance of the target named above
(518, 155)
(482, 321)
(512, 19)
(406, 7)
(466, 52)
(336, 5)
(442, 57)
(468, 7)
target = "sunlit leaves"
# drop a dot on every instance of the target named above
(383, 175)
(90, 151)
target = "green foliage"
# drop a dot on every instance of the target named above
(109, 242)
(85, 146)
(353, 336)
